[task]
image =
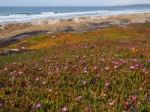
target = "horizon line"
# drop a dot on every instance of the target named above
(79, 5)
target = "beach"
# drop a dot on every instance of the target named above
(76, 24)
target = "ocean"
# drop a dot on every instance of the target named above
(25, 14)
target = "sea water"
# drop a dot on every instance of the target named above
(25, 14)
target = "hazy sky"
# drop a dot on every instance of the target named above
(70, 2)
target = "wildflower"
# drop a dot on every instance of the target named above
(112, 103)
(79, 98)
(84, 82)
(137, 65)
(134, 98)
(95, 68)
(84, 56)
(126, 105)
(107, 84)
(38, 105)
(44, 82)
(50, 90)
(77, 56)
(1, 103)
(148, 61)
(116, 67)
(107, 68)
(85, 71)
(88, 109)
(132, 67)
(103, 60)
(20, 73)
(64, 109)
(37, 79)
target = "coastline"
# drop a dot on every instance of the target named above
(83, 24)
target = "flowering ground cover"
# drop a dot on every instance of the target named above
(105, 70)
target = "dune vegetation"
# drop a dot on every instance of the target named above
(104, 70)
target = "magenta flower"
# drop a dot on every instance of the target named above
(148, 61)
(134, 98)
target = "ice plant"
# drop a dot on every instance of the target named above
(64, 109)
(84, 82)
(44, 82)
(95, 67)
(38, 105)
(126, 105)
(79, 98)
(132, 67)
(107, 84)
(107, 68)
(37, 79)
(1, 104)
(134, 98)
(116, 67)
(148, 61)
(112, 103)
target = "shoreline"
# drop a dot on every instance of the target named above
(80, 24)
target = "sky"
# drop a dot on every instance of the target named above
(70, 2)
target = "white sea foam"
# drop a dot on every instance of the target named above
(53, 15)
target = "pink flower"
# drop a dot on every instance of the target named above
(85, 71)
(64, 109)
(107, 68)
(79, 98)
(134, 98)
(84, 82)
(95, 68)
(107, 84)
(88, 109)
(38, 105)
(148, 61)
(126, 104)
(116, 67)
(37, 79)
(50, 90)
(132, 67)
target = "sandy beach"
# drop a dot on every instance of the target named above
(65, 25)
